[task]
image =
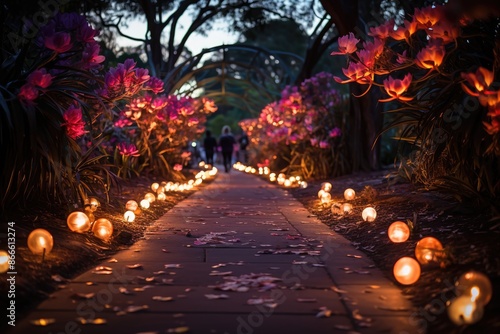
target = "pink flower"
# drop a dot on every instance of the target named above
(40, 78)
(335, 132)
(357, 72)
(141, 76)
(128, 150)
(123, 122)
(28, 92)
(185, 155)
(347, 45)
(155, 84)
(75, 126)
(324, 144)
(178, 167)
(59, 42)
(383, 31)
(396, 87)
(314, 141)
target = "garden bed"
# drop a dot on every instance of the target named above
(469, 236)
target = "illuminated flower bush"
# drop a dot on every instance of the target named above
(436, 74)
(303, 130)
(64, 117)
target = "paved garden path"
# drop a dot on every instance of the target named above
(255, 262)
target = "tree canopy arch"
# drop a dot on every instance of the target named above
(242, 76)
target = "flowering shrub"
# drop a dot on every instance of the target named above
(440, 69)
(303, 130)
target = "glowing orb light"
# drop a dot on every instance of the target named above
(369, 214)
(150, 197)
(428, 250)
(129, 216)
(406, 270)
(398, 232)
(78, 222)
(326, 186)
(349, 194)
(145, 204)
(40, 241)
(464, 311)
(4, 261)
(476, 285)
(131, 205)
(102, 228)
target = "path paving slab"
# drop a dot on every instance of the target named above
(239, 256)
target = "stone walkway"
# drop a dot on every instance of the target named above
(256, 262)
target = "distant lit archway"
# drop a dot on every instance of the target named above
(241, 76)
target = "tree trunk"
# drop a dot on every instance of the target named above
(365, 123)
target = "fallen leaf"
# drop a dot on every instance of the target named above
(89, 283)
(135, 266)
(124, 290)
(374, 286)
(83, 295)
(218, 265)
(337, 290)
(43, 321)
(102, 272)
(324, 313)
(112, 260)
(362, 272)
(163, 299)
(170, 266)
(58, 278)
(167, 281)
(355, 256)
(96, 321)
(213, 296)
(394, 309)
(382, 297)
(103, 268)
(135, 308)
(220, 273)
(161, 272)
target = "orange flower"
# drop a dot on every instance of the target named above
(347, 45)
(431, 56)
(375, 48)
(492, 127)
(356, 72)
(489, 98)
(480, 81)
(427, 17)
(404, 32)
(396, 87)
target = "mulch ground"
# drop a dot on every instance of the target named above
(470, 238)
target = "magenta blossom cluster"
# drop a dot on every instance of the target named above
(304, 114)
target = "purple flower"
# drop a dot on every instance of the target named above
(128, 150)
(60, 42)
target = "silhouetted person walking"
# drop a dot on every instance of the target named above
(209, 144)
(243, 148)
(226, 143)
